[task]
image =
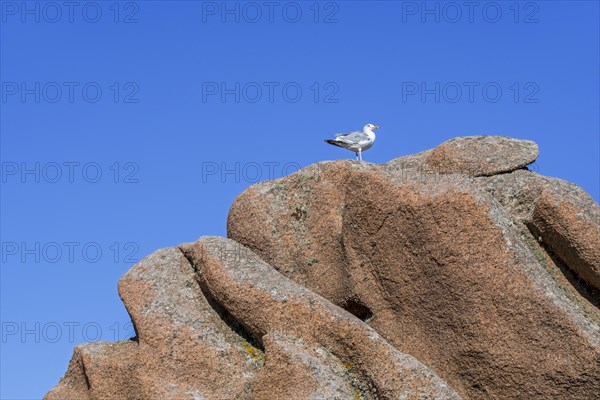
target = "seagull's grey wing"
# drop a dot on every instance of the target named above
(352, 137)
(346, 133)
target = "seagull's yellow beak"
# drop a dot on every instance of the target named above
(376, 127)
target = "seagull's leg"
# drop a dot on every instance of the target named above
(360, 154)
(357, 156)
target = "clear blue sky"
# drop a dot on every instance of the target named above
(165, 97)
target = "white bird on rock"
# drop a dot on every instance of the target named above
(356, 141)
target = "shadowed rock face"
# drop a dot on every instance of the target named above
(452, 273)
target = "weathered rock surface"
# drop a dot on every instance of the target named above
(452, 273)
(481, 155)
(287, 308)
(570, 234)
(564, 219)
(184, 349)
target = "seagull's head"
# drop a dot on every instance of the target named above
(370, 127)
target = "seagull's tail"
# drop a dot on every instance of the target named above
(333, 142)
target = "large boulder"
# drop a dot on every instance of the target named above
(481, 155)
(452, 273)
(440, 267)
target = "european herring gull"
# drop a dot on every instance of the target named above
(356, 141)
